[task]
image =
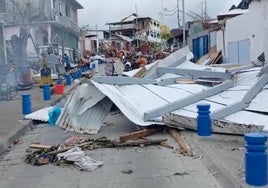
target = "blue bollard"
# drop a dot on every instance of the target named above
(68, 80)
(203, 120)
(26, 104)
(256, 159)
(46, 92)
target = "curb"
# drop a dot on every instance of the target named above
(22, 128)
(213, 164)
(15, 135)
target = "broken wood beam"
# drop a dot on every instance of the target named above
(140, 73)
(70, 147)
(164, 144)
(138, 134)
(186, 149)
(40, 146)
(142, 142)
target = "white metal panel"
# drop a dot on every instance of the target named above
(132, 100)
(191, 88)
(248, 118)
(227, 97)
(40, 115)
(167, 93)
(233, 52)
(194, 66)
(260, 102)
(244, 51)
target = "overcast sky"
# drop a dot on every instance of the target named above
(98, 12)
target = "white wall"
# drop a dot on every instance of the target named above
(12, 30)
(220, 42)
(252, 26)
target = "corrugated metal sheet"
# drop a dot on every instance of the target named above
(39, 115)
(137, 99)
(85, 110)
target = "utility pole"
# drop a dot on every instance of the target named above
(205, 10)
(137, 29)
(183, 23)
(178, 14)
(162, 13)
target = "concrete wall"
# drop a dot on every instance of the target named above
(14, 30)
(252, 25)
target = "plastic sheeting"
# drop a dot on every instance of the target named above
(78, 157)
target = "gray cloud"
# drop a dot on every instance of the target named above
(97, 13)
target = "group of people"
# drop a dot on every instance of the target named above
(130, 60)
(50, 60)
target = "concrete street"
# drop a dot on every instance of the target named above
(146, 167)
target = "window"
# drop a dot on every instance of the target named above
(67, 9)
(60, 9)
(53, 5)
(3, 6)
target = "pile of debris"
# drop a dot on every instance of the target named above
(71, 152)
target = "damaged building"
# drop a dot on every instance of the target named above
(51, 23)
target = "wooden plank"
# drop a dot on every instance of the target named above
(137, 134)
(185, 148)
(164, 144)
(142, 142)
(40, 146)
(185, 81)
(140, 73)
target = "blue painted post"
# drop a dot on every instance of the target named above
(203, 120)
(256, 159)
(46, 92)
(68, 80)
(26, 104)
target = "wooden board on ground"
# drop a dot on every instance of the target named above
(184, 147)
(138, 134)
(40, 146)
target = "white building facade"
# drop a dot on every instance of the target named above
(244, 37)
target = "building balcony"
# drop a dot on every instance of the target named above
(67, 23)
(123, 27)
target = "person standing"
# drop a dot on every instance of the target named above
(67, 62)
(52, 59)
(109, 64)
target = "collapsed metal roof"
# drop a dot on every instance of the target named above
(169, 93)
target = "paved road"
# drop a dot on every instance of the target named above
(152, 166)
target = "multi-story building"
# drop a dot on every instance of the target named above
(51, 23)
(139, 28)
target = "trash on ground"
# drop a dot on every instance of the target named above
(49, 154)
(79, 159)
(127, 171)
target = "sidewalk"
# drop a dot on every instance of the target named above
(12, 120)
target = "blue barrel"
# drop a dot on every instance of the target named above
(256, 159)
(203, 120)
(68, 80)
(79, 74)
(46, 92)
(26, 104)
(59, 81)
